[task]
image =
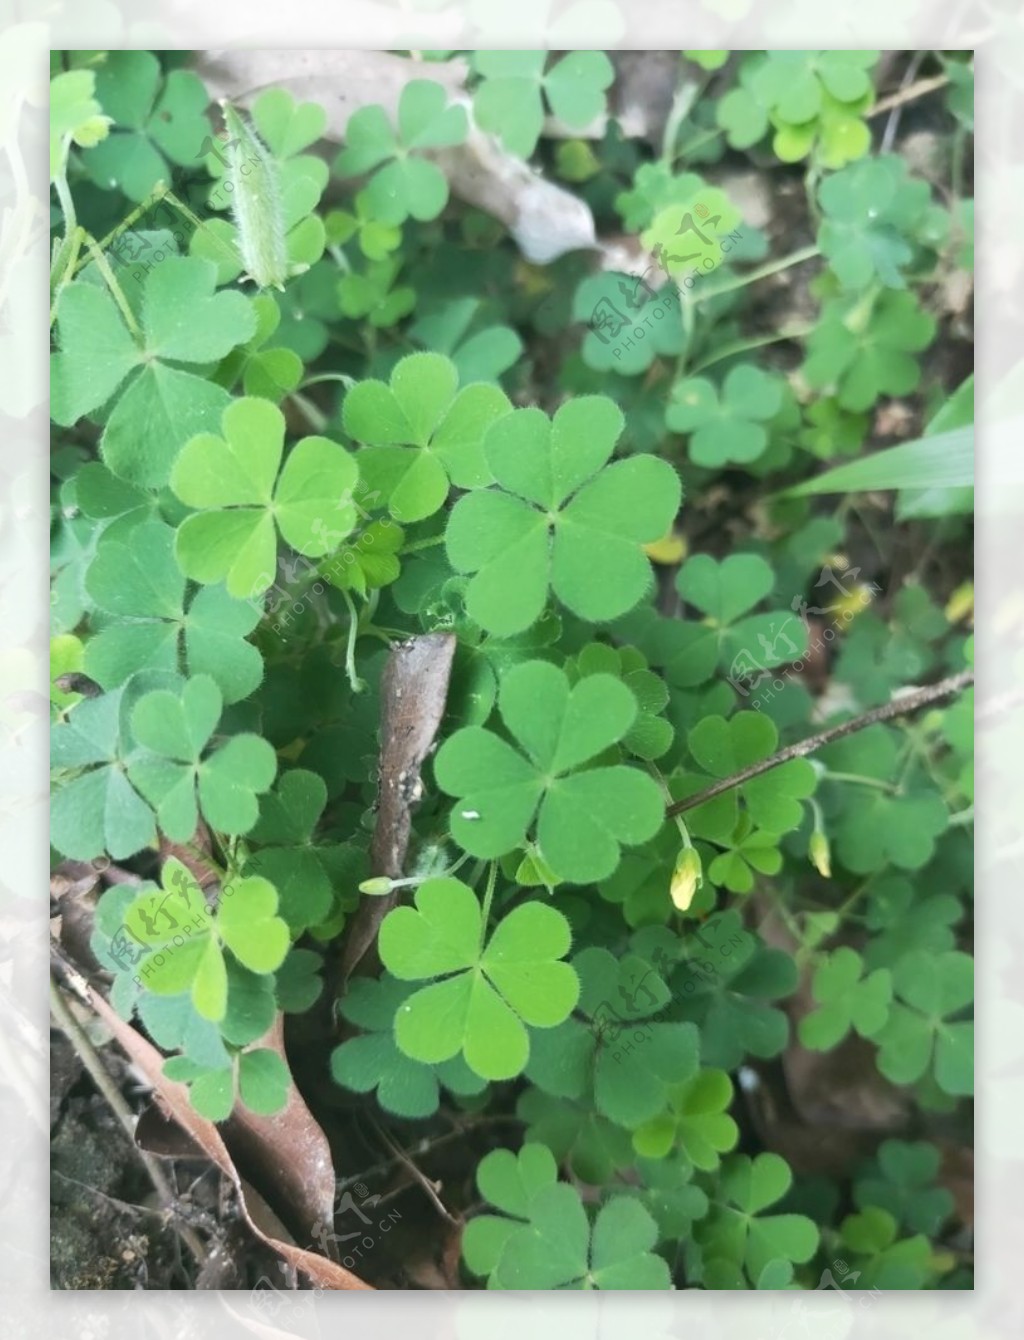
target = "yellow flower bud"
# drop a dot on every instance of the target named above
(820, 853)
(687, 878)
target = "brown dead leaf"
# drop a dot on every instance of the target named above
(174, 1098)
(287, 1153)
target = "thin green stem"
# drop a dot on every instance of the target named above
(312, 415)
(71, 249)
(416, 545)
(67, 204)
(347, 382)
(761, 272)
(103, 265)
(485, 912)
(350, 645)
(860, 780)
(743, 346)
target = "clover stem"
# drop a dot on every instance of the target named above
(350, 645)
(682, 104)
(103, 265)
(73, 248)
(67, 205)
(492, 877)
(890, 787)
(347, 382)
(742, 346)
(416, 545)
(761, 272)
(314, 417)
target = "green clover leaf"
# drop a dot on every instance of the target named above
(285, 126)
(509, 101)
(422, 433)
(368, 561)
(655, 186)
(686, 235)
(815, 101)
(406, 184)
(846, 1000)
(747, 850)
(626, 1059)
(186, 939)
(95, 807)
(271, 372)
(650, 734)
(729, 637)
(922, 1034)
(736, 1238)
(581, 816)
(75, 116)
(547, 1241)
(866, 353)
(259, 1078)
(302, 870)
(173, 729)
(900, 1180)
(592, 1146)
(726, 424)
(156, 119)
(629, 325)
(884, 1262)
(158, 404)
(152, 624)
(871, 208)
(695, 1122)
(772, 800)
(487, 992)
(872, 826)
(481, 353)
(724, 982)
(246, 497)
(373, 1061)
(560, 518)
(902, 917)
(375, 295)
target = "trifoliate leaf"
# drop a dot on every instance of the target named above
(135, 580)
(580, 817)
(487, 992)
(846, 1000)
(422, 434)
(561, 518)
(177, 777)
(160, 406)
(246, 497)
(405, 184)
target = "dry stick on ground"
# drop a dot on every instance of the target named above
(903, 95)
(420, 1177)
(902, 706)
(87, 1054)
